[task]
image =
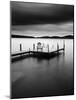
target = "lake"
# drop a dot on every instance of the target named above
(31, 77)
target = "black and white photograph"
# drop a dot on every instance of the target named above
(42, 49)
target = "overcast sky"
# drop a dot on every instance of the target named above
(38, 19)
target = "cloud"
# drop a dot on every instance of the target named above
(23, 13)
(45, 29)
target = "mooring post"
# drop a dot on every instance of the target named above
(57, 47)
(29, 50)
(42, 49)
(20, 47)
(48, 47)
(37, 49)
(64, 45)
(33, 47)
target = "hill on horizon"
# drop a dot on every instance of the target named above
(63, 37)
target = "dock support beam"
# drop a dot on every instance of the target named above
(20, 47)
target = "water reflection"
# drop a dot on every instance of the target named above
(44, 77)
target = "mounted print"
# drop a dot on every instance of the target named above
(42, 49)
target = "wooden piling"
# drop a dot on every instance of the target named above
(42, 49)
(33, 47)
(64, 45)
(48, 47)
(20, 47)
(57, 47)
(29, 51)
(37, 49)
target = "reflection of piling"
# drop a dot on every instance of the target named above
(20, 47)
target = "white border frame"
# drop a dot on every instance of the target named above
(5, 49)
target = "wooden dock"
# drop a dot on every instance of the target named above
(41, 54)
(34, 52)
(38, 54)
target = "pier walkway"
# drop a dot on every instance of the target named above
(36, 53)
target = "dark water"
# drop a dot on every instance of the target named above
(33, 77)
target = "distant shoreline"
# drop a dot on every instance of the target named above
(45, 37)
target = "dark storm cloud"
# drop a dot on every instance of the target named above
(35, 13)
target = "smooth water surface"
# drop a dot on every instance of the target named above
(42, 77)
